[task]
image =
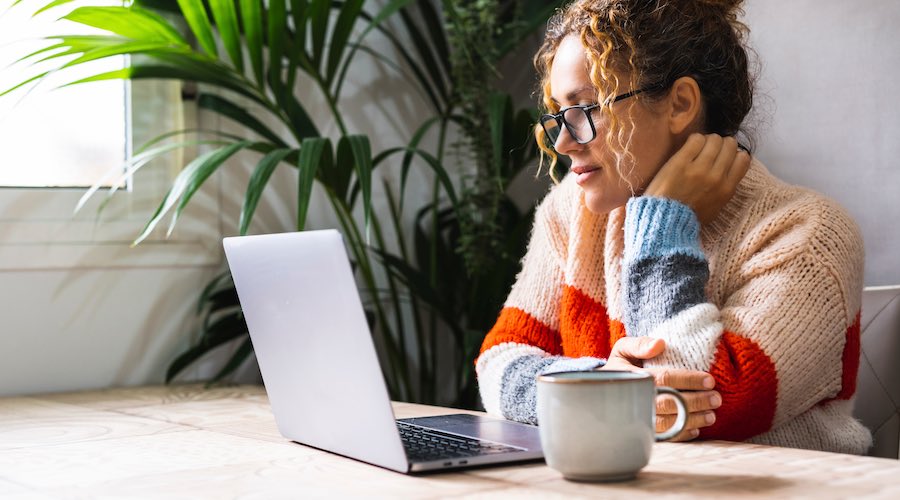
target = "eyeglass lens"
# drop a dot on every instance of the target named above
(577, 122)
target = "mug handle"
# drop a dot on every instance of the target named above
(680, 420)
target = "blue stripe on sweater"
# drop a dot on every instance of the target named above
(665, 270)
(655, 227)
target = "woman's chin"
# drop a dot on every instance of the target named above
(601, 203)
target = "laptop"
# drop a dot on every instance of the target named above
(321, 371)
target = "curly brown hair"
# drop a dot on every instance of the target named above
(656, 42)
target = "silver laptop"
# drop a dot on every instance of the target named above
(321, 371)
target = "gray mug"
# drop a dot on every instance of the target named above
(601, 425)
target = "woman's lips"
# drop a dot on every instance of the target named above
(584, 173)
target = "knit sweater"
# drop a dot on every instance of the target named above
(766, 298)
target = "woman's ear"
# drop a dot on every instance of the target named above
(685, 113)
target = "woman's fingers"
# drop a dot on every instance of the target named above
(724, 161)
(703, 174)
(685, 435)
(695, 422)
(685, 380)
(739, 167)
(634, 348)
(692, 147)
(701, 407)
(696, 401)
(709, 155)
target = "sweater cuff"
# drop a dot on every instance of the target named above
(656, 227)
(574, 365)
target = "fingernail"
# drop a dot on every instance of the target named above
(709, 382)
(695, 433)
(710, 418)
(715, 401)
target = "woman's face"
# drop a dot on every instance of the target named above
(607, 185)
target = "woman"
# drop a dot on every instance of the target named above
(668, 248)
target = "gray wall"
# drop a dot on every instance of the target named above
(829, 87)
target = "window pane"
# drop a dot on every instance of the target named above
(49, 137)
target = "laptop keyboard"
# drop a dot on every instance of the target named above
(428, 444)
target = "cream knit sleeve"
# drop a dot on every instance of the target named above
(525, 341)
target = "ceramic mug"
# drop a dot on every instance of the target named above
(600, 425)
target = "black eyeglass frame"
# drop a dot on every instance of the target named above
(586, 109)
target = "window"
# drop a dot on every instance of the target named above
(47, 173)
(51, 137)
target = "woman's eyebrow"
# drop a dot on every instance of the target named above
(575, 94)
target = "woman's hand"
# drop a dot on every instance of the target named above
(629, 354)
(703, 174)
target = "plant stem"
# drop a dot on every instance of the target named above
(395, 300)
(365, 266)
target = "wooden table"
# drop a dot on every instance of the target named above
(187, 442)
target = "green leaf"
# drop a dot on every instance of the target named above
(202, 173)
(24, 83)
(251, 15)
(362, 156)
(426, 93)
(188, 181)
(340, 35)
(135, 23)
(195, 14)
(436, 73)
(438, 39)
(133, 165)
(75, 45)
(315, 153)
(499, 111)
(302, 124)
(128, 48)
(298, 54)
(534, 15)
(185, 131)
(257, 184)
(337, 178)
(211, 288)
(411, 151)
(240, 116)
(440, 172)
(240, 355)
(226, 20)
(278, 27)
(55, 3)
(388, 10)
(438, 95)
(319, 14)
(198, 74)
(223, 330)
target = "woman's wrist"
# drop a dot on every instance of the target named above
(655, 227)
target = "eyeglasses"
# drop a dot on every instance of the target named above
(578, 121)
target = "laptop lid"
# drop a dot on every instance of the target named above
(313, 344)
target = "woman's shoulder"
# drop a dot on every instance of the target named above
(784, 221)
(782, 206)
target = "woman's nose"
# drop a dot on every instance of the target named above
(565, 142)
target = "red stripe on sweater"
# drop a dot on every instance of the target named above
(586, 328)
(515, 325)
(748, 383)
(850, 361)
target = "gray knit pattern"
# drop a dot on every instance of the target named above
(657, 288)
(518, 396)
